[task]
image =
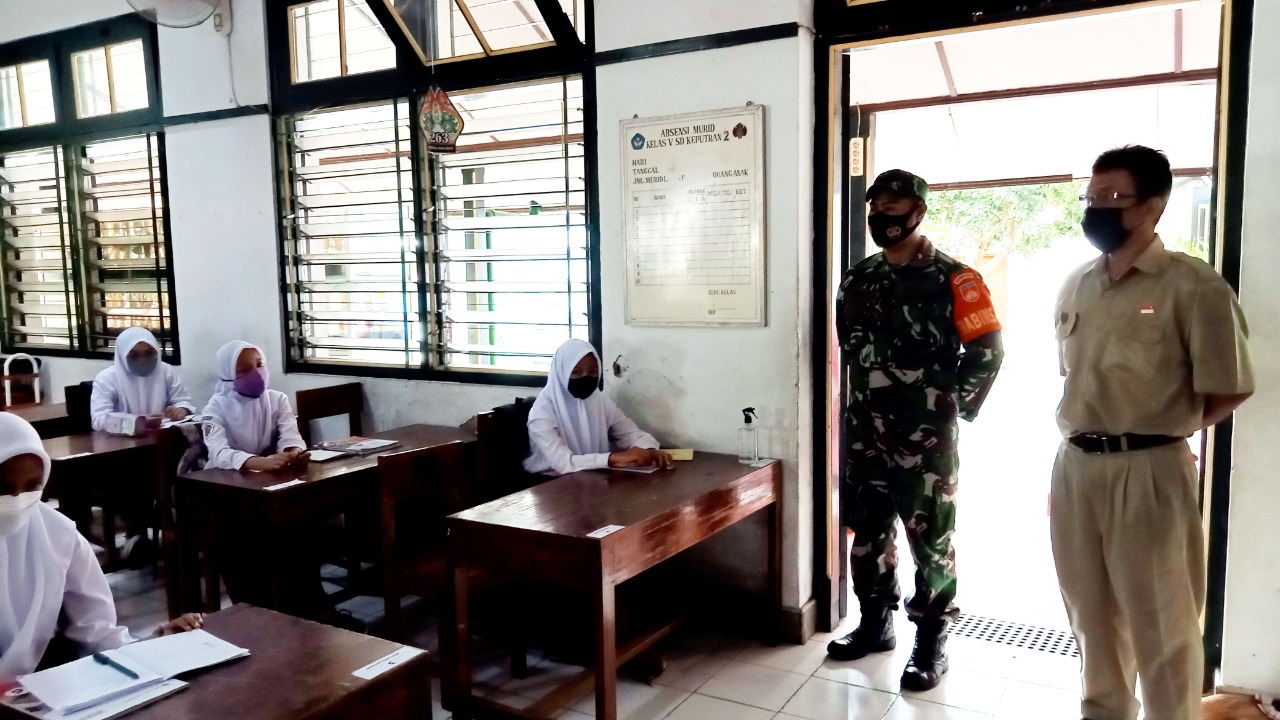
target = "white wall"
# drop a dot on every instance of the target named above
(624, 23)
(686, 385)
(691, 382)
(1251, 644)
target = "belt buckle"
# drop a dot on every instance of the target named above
(1100, 442)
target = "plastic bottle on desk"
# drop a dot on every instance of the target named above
(748, 438)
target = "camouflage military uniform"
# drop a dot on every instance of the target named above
(902, 330)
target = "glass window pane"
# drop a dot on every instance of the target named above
(455, 37)
(368, 47)
(93, 88)
(35, 244)
(315, 41)
(511, 228)
(26, 95)
(122, 227)
(508, 24)
(10, 99)
(354, 284)
(128, 76)
(37, 91)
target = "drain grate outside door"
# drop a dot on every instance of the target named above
(1014, 634)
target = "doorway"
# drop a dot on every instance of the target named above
(1006, 147)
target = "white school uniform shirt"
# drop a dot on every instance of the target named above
(50, 581)
(243, 427)
(567, 434)
(119, 395)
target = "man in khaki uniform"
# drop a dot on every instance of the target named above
(1152, 345)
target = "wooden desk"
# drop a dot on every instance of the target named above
(48, 420)
(296, 670)
(544, 533)
(102, 470)
(271, 521)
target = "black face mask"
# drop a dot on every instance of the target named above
(889, 230)
(584, 387)
(1104, 227)
(143, 368)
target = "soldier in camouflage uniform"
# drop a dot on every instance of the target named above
(922, 344)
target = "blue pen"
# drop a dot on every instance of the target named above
(104, 660)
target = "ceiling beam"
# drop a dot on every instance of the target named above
(946, 68)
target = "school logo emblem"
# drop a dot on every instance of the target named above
(637, 142)
(739, 131)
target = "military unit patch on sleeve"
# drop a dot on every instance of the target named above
(975, 315)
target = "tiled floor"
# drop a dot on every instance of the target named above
(715, 677)
(722, 678)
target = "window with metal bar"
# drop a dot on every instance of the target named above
(40, 302)
(474, 260)
(351, 250)
(84, 245)
(121, 222)
(510, 229)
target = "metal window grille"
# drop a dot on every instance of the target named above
(475, 260)
(84, 252)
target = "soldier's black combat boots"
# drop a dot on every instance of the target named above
(874, 635)
(929, 657)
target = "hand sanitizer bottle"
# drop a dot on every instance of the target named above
(748, 438)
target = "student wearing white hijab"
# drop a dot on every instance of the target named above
(50, 582)
(574, 426)
(137, 386)
(252, 426)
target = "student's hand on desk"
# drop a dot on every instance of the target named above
(268, 463)
(175, 413)
(641, 457)
(190, 621)
(298, 458)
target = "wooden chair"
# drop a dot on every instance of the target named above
(77, 398)
(503, 436)
(418, 489)
(20, 380)
(331, 401)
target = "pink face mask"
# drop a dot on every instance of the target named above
(252, 383)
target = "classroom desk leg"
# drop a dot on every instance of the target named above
(455, 644)
(775, 573)
(606, 654)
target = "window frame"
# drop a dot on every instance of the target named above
(570, 56)
(70, 132)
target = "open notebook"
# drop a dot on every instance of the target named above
(86, 683)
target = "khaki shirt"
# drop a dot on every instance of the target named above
(1141, 353)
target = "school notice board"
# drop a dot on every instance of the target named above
(694, 215)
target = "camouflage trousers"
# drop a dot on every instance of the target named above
(882, 487)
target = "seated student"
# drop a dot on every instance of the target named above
(51, 588)
(252, 427)
(138, 386)
(573, 426)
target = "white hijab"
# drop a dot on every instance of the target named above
(137, 395)
(584, 424)
(32, 570)
(249, 423)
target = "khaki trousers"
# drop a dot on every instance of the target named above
(1128, 545)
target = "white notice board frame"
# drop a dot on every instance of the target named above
(715, 157)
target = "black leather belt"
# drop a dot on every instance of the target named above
(1096, 444)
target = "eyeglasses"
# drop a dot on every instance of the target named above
(1106, 199)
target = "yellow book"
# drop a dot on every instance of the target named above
(683, 454)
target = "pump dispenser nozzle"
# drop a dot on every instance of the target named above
(747, 414)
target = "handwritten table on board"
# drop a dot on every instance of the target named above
(591, 531)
